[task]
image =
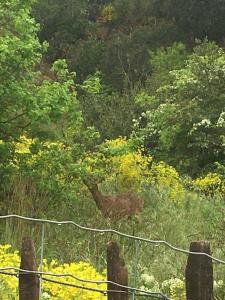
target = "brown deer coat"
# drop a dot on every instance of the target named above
(119, 206)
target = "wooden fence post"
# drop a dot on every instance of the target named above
(116, 272)
(28, 283)
(199, 273)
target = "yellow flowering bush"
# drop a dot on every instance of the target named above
(117, 144)
(23, 146)
(210, 184)
(127, 166)
(9, 284)
(130, 169)
(164, 176)
(48, 162)
(81, 270)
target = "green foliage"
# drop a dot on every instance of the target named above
(29, 102)
(60, 123)
(114, 36)
(92, 84)
(38, 111)
(193, 18)
(186, 127)
(100, 110)
(111, 36)
(163, 61)
(20, 52)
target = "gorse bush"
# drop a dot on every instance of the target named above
(126, 168)
(166, 177)
(81, 270)
(9, 284)
(210, 184)
(129, 166)
(118, 161)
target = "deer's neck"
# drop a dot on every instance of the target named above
(97, 195)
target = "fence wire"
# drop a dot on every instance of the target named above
(112, 231)
(130, 290)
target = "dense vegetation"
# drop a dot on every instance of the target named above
(131, 95)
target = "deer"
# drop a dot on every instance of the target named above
(119, 206)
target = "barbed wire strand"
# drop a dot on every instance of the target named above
(130, 290)
(112, 231)
(67, 284)
(98, 290)
(82, 287)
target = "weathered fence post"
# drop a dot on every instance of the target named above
(116, 272)
(199, 273)
(28, 283)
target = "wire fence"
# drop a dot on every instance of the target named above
(44, 276)
(130, 290)
(74, 285)
(112, 231)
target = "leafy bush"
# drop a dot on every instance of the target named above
(175, 287)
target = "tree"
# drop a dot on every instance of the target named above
(194, 18)
(110, 36)
(30, 99)
(69, 27)
(41, 107)
(186, 124)
(110, 113)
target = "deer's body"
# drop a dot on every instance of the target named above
(119, 206)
